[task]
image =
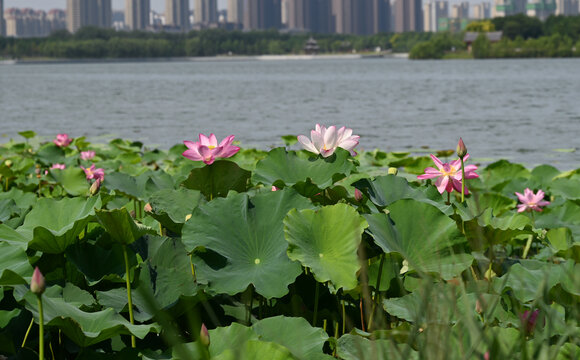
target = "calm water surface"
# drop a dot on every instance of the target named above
(521, 110)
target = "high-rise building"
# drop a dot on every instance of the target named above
(408, 15)
(567, 7)
(541, 8)
(33, 23)
(362, 17)
(297, 14)
(503, 8)
(205, 11)
(137, 14)
(460, 11)
(432, 12)
(236, 11)
(88, 13)
(482, 11)
(2, 24)
(262, 14)
(320, 16)
(342, 19)
(177, 14)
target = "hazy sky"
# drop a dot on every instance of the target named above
(157, 5)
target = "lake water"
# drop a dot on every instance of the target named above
(521, 110)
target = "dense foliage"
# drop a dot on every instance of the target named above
(93, 42)
(523, 36)
(345, 258)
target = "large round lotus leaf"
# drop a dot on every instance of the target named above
(14, 265)
(354, 347)
(132, 186)
(170, 207)
(327, 241)
(248, 233)
(501, 172)
(72, 179)
(291, 168)
(84, 328)
(120, 225)
(50, 154)
(97, 263)
(217, 179)
(304, 341)
(385, 190)
(255, 349)
(422, 235)
(566, 188)
(53, 225)
(13, 237)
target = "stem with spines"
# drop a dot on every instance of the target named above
(129, 298)
(41, 328)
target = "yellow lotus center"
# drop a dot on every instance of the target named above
(211, 147)
(449, 173)
(257, 261)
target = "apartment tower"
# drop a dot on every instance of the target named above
(137, 14)
(177, 14)
(236, 11)
(262, 14)
(2, 23)
(82, 13)
(205, 11)
(408, 15)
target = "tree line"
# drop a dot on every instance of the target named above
(522, 36)
(92, 42)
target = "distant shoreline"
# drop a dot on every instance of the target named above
(31, 61)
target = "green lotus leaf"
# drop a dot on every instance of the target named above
(290, 168)
(170, 207)
(23, 200)
(248, 234)
(304, 341)
(327, 241)
(499, 173)
(14, 265)
(29, 134)
(565, 215)
(13, 237)
(488, 229)
(529, 279)
(424, 242)
(354, 347)
(499, 203)
(7, 316)
(217, 179)
(50, 154)
(72, 179)
(254, 349)
(385, 190)
(390, 271)
(132, 186)
(97, 263)
(83, 328)
(117, 299)
(544, 174)
(53, 225)
(167, 273)
(7, 209)
(120, 225)
(560, 238)
(566, 188)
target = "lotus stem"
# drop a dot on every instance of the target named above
(378, 286)
(129, 298)
(343, 317)
(324, 325)
(27, 332)
(249, 308)
(316, 297)
(462, 181)
(530, 239)
(41, 328)
(362, 318)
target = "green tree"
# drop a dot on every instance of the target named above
(481, 47)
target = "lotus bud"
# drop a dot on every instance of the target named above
(148, 208)
(393, 171)
(478, 307)
(486, 355)
(204, 335)
(8, 163)
(358, 195)
(187, 217)
(461, 149)
(37, 285)
(95, 187)
(529, 320)
(274, 188)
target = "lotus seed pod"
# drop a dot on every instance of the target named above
(393, 171)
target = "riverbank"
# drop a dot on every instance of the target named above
(382, 55)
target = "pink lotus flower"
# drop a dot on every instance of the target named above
(58, 166)
(208, 149)
(62, 140)
(449, 174)
(87, 155)
(325, 141)
(530, 201)
(529, 320)
(92, 173)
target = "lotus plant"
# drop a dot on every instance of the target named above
(58, 166)
(325, 141)
(62, 140)
(449, 175)
(208, 150)
(530, 201)
(93, 173)
(87, 155)
(37, 287)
